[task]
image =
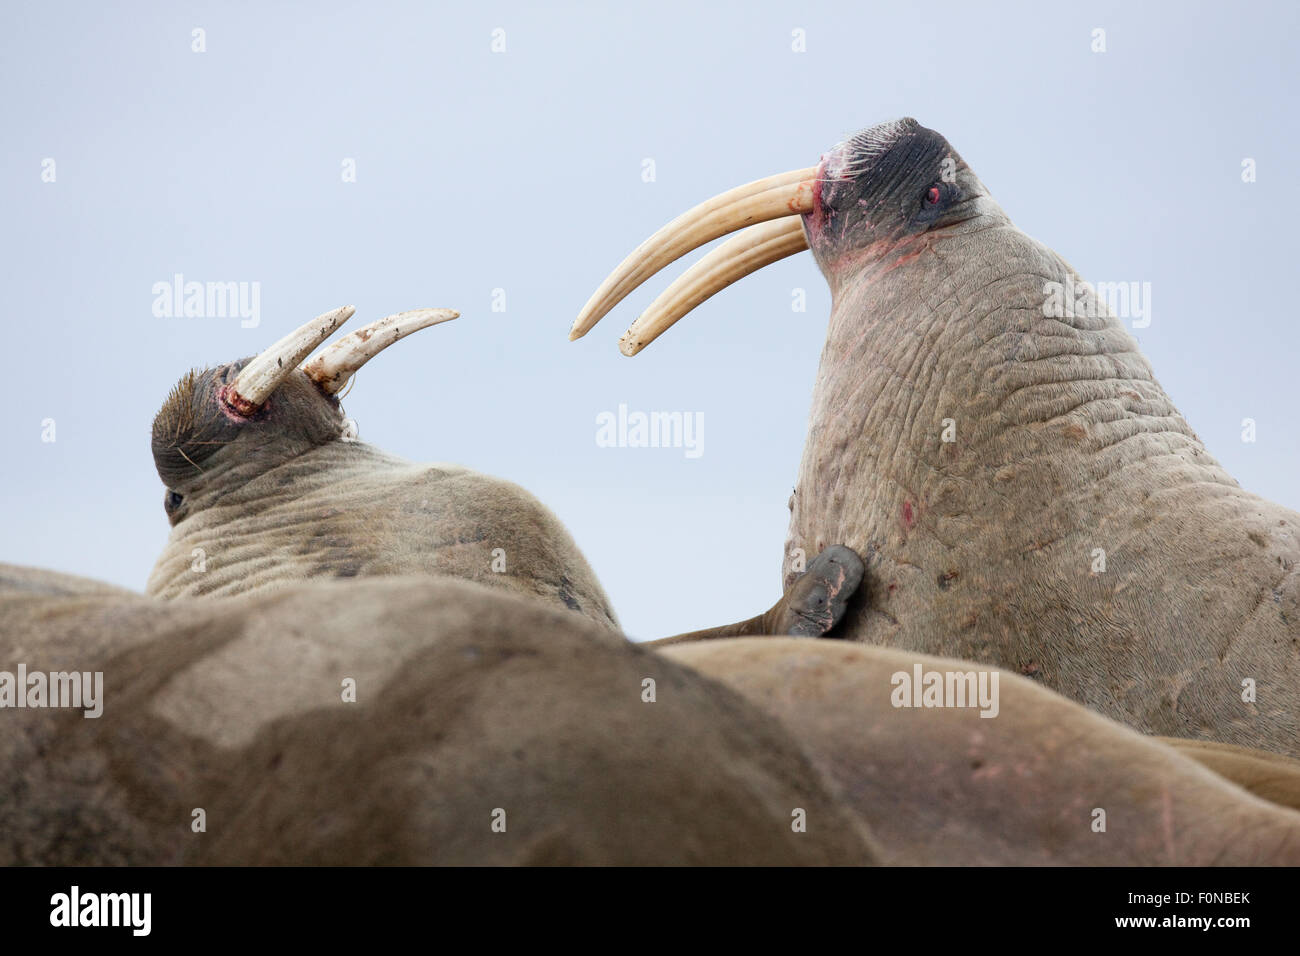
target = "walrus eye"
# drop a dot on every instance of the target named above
(932, 196)
(174, 501)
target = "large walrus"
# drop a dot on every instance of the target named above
(988, 436)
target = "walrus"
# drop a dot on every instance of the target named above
(401, 720)
(1022, 490)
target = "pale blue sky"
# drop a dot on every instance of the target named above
(523, 171)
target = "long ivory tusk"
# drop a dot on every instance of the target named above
(260, 377)
(338, 363)
(788, 194)
(747, 252)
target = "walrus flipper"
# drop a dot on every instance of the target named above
(816, 601)
(810, 607)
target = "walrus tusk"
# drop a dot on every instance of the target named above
(332, 369)
(260, 377)
(788, 194)
(746, 252)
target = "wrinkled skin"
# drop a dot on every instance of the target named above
(986, 548)
(946, 786)
(468, 699)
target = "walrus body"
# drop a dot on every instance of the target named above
(1075, 529)
(1043, 781)
(484, 728)
(347, 509)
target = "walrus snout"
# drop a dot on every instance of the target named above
(769, 217)
(835, 166)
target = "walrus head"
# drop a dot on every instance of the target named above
(878, 197)
(222, 426)
(883, 193)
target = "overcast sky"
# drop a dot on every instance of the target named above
(526, 170)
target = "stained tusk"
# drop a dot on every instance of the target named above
(788, 194)
(338, 363)
(751, 250)
(260, 377)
